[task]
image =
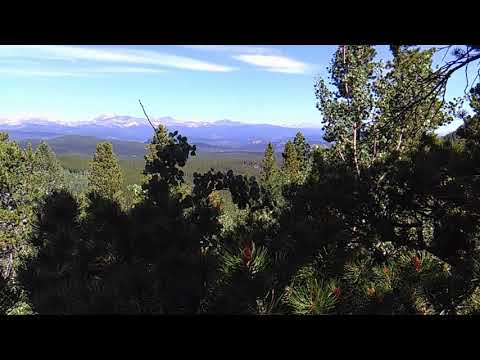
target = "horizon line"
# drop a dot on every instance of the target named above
(17, 120)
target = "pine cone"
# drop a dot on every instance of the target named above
(337, 292)
(247, 254)
(417, 264)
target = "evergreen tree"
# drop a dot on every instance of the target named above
(406, 109)
(386, 222)
(104, 175)
(348, 110)
(269, 165)
(19, 193)
(291, 163)
(22, 188)
(47, 168)
(302, 147)
(54, 272)
(160, 139)
(470, 130)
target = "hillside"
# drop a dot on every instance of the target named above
(132, 167)
(85, 145)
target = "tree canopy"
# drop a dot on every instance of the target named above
(384, 219)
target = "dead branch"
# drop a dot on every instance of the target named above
(154, 129)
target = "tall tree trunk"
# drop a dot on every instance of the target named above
(344, 62)
(355, 157)
(400, 141)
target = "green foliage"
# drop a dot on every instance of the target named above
(159, 141)
(347, 111)
(269, 165)
(291, 163)
(240, 162)
(470, 130)
(303, 151)
(371, 115)
(25, 177)
(104, 173)
(312, 297)
(20, 308)
(133, 195)
(396, 90)
(76, 182)
(244, 282)
(77, 145)
(384, 221)
(47, 168)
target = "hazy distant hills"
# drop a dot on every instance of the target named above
(85, 145)
(220, 135)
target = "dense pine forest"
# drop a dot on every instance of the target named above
(383, 220)
(243, 163)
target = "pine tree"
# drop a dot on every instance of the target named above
(269, 166)
(402, 119)
(53, 274)
(104, 175)
(291, 164)
(14, 199)
(470, 130)
(47, 168)
(303, 151)
(347, 110)
(160, 139)
(45, 159)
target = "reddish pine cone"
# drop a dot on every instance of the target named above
(386, 271)
(417, 264)
(247, 254)
(337, 292)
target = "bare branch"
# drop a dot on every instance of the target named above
(147, 115)
(466, 78)
(440, 78)
(446, 52)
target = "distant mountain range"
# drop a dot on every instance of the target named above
(218, 135)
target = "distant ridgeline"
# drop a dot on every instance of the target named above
(85, 145)
(219, 136)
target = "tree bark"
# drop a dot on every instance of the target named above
(355, 158)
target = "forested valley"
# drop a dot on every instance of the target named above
(383, 220)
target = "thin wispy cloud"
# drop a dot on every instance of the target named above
(79, 72)
(127, 70)
(267, 58)
(275, 63)
(110, 55)
(39, 73)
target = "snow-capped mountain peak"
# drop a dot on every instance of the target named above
(122, 127)
(227, 122)
(114, 120)
(23, 121)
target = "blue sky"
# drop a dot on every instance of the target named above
(256, 84)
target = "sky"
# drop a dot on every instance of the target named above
(251, 84)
